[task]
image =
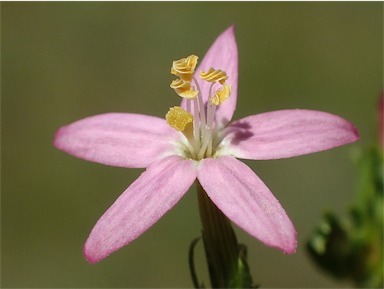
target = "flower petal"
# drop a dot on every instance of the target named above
(153, 194)
(221, 55)
(244, 198)
(287, 133)
(117, 139)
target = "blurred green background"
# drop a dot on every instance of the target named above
(65, 61)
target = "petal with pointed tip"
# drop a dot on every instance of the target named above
(117, 139)
(287, 133)
(244, 199)
(140, 206)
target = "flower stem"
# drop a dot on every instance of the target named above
(226, 259)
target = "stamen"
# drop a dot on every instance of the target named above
(197, 122)
(182, 121)
(185, 67)
(206, 146)
(213, 75)
(200, 104)
(221, 94)
(178, 118)
(184, 88)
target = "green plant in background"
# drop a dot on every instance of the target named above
(352, 248)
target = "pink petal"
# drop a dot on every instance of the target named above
(244, 198)
(221, 55)
(117, 139)
(153, 194)
(287, 133)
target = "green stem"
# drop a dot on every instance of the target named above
(226, 261)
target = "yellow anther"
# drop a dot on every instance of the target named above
(178, 118)
(221, 94)
(213, 75)
(185, 67)
(184, 88)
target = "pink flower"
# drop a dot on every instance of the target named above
(197, 140)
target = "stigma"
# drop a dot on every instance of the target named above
(197, 122)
